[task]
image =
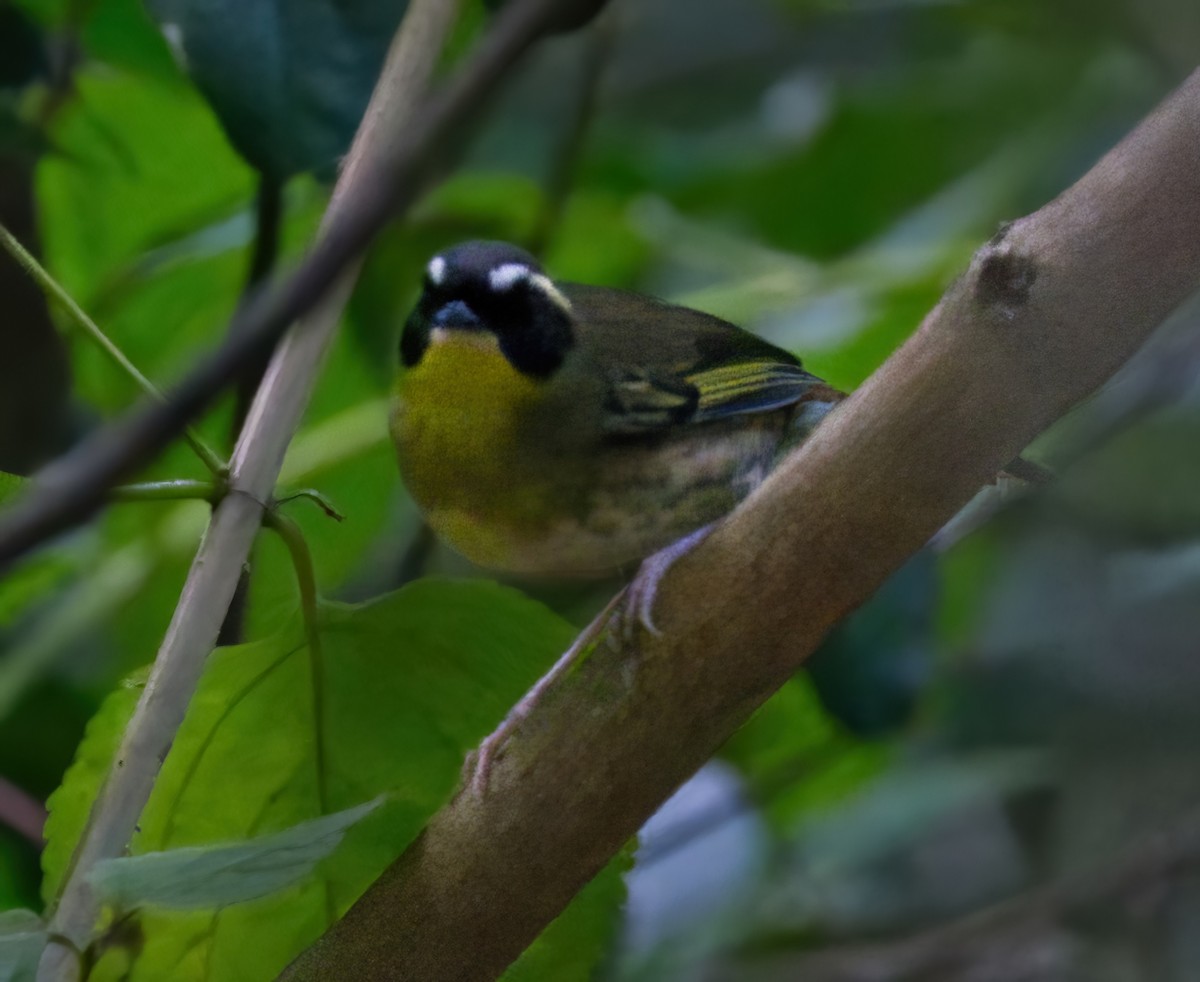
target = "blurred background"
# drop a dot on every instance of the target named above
(1007, 731)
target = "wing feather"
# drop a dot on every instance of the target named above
(668, 366)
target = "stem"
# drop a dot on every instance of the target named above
(268, 215)
(56, 293)
(268, 220)
(22, 813)
(315, 497)
(597, 54)
(306, 580)
(169, 491)
(306, 577)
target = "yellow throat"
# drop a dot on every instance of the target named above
(458, 420)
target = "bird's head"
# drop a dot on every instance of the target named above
(491, 293)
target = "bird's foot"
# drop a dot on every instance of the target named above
(477, 768)
(638, 609)
(630, 609)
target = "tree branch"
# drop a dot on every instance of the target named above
(384, 185)
(392, 145)
(21, 812)
(1048, 310)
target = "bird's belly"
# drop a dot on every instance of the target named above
(508, 505)
(636, 500)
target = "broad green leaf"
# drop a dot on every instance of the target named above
(196, 877)
(794, 757)
(573, 945)
(142, 163)
(872, 669)
(22, 939)
(289, 78)
(69, 805)
(409, 683)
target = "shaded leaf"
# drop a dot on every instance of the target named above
(289, 78)
(871, 670)
(576, 941)
(22, 939)
(215, 876)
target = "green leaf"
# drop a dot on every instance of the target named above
(288, 78)
(572, 946)
(32, 582)
(409, 683)
(795, 759)
(69, 805)
(141, 163)
(196, 877)
(22, 939)
(873, 667)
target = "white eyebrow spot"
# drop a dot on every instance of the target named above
(436, 270)
(552, 293)
(505, 277)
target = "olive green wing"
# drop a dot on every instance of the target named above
(668, 366)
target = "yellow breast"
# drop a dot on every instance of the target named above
(460, 423)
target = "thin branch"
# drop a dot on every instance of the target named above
(1162, 375)
(56, 293)
(268, 220)
(1048, 310)
(264, 254)
(22, 813)
(183, 490)
(598, 50)
(384, 186)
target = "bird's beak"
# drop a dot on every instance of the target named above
(457, 315)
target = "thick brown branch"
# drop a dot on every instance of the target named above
(1047, 312)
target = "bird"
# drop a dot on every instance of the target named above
(558, 429)
(566, 430)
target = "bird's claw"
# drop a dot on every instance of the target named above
(638, 608)
(477, 768)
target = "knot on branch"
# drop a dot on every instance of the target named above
(1004, 278)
